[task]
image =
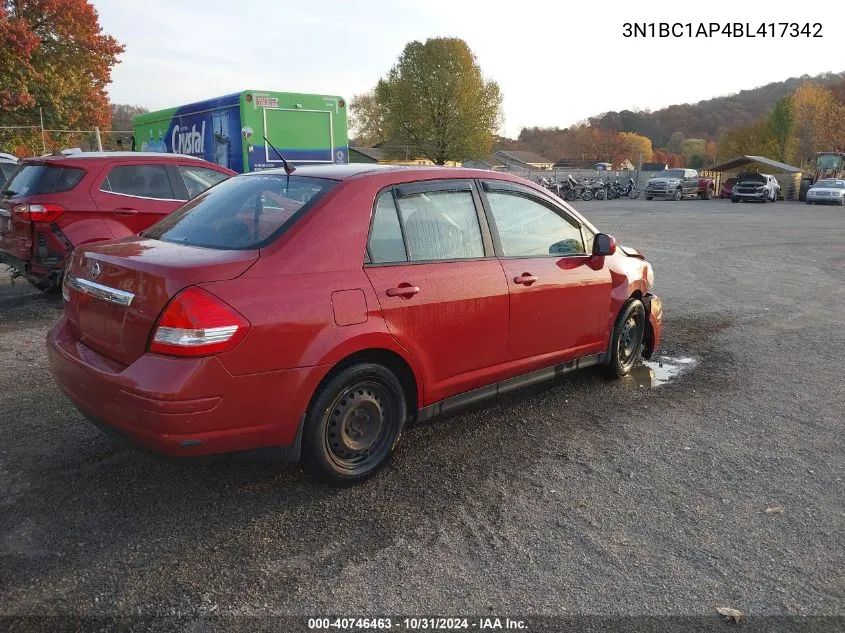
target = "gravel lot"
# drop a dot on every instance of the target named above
(582, 497)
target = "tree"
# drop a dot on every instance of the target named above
(122, 115)
(674, 143)
(694, 150)
(367, 121)
(755, 139)
(53, 56)
(436, 101)
(818, 120)
(636, 147)
(781, 125)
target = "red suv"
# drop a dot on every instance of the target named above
(53, 204)
(320, 311)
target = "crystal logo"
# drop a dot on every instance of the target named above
(185, 141)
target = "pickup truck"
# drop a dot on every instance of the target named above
(674, 184)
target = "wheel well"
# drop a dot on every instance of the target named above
(636, 295)
(393, 361)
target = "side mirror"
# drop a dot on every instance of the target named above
(604, 244)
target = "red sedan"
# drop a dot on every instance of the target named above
(320, 311)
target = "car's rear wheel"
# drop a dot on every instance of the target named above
(353, 424)
(707, 194)
(626, 345)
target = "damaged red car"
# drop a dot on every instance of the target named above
(53, 204)
(320, 311)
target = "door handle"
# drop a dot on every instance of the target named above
(126, 211)
(525, 279)
(405, 290)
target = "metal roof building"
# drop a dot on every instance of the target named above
(742, 161)
(788, 176)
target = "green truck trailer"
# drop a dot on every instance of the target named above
(230, 130)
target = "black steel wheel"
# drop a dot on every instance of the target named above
(353, 424)
(626, 345)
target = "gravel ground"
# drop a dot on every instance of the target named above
(582, 497)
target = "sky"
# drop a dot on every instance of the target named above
(556, 63)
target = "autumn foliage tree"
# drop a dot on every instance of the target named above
(367, 119)
(436, 102)
(818, 121)
(53, 56)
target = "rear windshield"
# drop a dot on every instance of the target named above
(240, 213)
(30, 180)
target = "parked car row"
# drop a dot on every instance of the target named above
(237, 322)
(53, 204)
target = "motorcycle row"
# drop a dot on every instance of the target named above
(590, 188)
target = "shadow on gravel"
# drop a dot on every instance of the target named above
(80, 502)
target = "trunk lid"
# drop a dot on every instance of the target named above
(115, 292)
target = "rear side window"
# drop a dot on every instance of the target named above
(198, 179)
(441, 225)
(31, 180)
(241, 213)
(386, 243)
(143, 181)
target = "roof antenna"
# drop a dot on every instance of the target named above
(289, 167)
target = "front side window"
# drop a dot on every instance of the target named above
(440, 225)
(143, 181)
(241, 213)
(528, 228)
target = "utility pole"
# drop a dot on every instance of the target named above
(97, 137)
(43, 142)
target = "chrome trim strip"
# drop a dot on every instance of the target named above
(112, 295)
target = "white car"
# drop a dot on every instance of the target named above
(827, 191)
(755, 187)
(7, 166)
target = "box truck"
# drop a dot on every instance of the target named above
(230, 130)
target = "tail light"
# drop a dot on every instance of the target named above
(45, 212)
(196, 323)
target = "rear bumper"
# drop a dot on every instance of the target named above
(182, 406)
(654, 332)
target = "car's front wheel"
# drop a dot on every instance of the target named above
(678, 194)
(353, 424)
(627, 342)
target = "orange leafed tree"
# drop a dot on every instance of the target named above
(54, 56)
(818, 120)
